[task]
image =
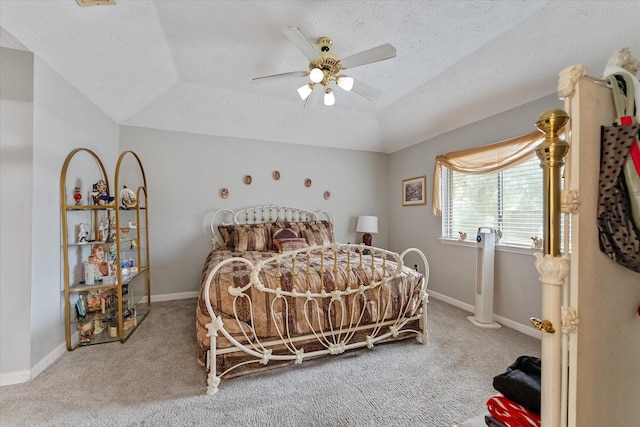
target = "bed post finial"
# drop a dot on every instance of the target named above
(568, 80)
(622, 58)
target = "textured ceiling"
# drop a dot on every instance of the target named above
(187, 65)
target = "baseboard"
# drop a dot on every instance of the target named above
(15, 377)
(46, 361)
(28, 374)
(525, 329)
(176, 296)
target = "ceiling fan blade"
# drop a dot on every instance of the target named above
(292, 74)
(379, 53)
(365, 90)
(295, 35)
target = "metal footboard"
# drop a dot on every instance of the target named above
(335, 321)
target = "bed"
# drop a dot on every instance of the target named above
(277, 289)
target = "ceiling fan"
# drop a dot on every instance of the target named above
(326, 68)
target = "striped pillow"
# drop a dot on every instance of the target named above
(318, 233)
(251, 239)
(228, 234)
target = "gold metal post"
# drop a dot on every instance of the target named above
(551, 154)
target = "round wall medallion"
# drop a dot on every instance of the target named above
(247, 179)
(327, 195)
(224, 193)
(307, 182)
(276, 175)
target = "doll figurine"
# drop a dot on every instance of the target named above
(97, 259)
(83, 233)
(77, 196)
(102, 192)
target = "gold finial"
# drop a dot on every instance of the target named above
(552, 150)
(551, 121)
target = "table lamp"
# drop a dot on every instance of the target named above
(367, 225)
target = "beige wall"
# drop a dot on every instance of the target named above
(185, 173)
(517, 292)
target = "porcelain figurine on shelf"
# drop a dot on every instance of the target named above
(77, 196)
(98, 326)
(108, 227)
(96, 301)
(101, 268)
(101, 235)
(102, 193)
(81, 307)
(463, 235)
(86, 331)
(95, 194)
(83, 233)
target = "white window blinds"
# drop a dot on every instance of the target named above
(509, 200)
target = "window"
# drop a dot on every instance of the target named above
(510, 200)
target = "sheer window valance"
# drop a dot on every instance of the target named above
(488, 158)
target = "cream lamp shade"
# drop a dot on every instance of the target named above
(367, 224)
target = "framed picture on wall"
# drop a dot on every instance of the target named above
(414, 191)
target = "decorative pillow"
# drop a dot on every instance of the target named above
(251, 239)
(315, 237)
(228, 234)
(284, 233)
(290, 244)
(296, 226)
(318, 233)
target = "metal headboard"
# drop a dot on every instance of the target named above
(262, 214)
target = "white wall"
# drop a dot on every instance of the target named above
(185, 173)
(63, 119)
(517, 292)
(16, 160)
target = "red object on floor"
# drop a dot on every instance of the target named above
(510, 413)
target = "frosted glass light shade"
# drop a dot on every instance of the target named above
(305, 91)
(329, 98)
(345, 83)
(316, 75)
(367, 224)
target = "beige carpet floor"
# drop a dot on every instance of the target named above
(153, 380)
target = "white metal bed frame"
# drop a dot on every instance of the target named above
(336, 339)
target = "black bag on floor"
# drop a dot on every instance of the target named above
(521, 382)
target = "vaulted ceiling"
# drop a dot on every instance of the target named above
(188, 65)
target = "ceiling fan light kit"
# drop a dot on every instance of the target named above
(345, 83)
(305, 91)
(325, 67)
(329, 97)
(316, 75)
